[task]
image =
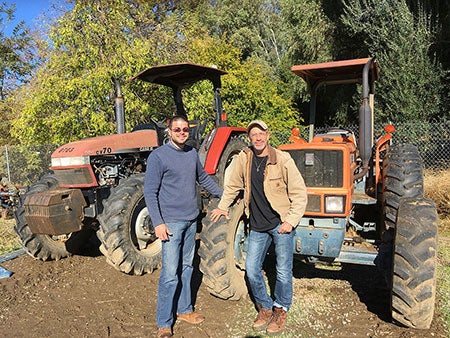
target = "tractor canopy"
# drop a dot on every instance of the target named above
(183, 75)
(363, 71)
(180, 75)
(336, 72)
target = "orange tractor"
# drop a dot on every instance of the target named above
(97, 183)
(365, 205)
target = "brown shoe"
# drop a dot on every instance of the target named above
(262, 319)
(276, 326)
(164, 332)
(191, 317)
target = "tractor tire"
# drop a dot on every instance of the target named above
(126, 233)
(415, 263)
(233, 147)
(403, 177)
(39, 246)
(221, 251)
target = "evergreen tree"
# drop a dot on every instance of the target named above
(410, 84)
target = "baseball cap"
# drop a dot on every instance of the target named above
(257, 123)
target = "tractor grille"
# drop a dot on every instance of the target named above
(320, 168)
(74, 176)
(313, 203)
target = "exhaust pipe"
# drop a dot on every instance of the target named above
(119, 108)
(365, 118)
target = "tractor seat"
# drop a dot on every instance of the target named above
(160, 130)
(197, 129)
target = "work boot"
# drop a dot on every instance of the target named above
(191, 317)
(276, 326)
(262, 319)
(164, 332)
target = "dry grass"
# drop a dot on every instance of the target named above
(8, 238)
(437, 187)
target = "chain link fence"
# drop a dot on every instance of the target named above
(24, 165)
(431, 138)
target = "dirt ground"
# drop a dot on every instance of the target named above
(82, 296)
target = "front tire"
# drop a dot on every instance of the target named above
(403, 177)
(222, 253)
(126, 233)
(415, 264)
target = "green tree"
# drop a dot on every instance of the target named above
(94, 42)
(308, 38)
(278, 34)
(17, 60)
(439, 15)
(309, 31)
(410, 84)
(97, 41)
(253, 26)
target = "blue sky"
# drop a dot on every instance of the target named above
(30, 10)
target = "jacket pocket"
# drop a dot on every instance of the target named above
(276, 184)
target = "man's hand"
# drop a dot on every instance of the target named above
(285, 228)
(163, 232)
(216, 213)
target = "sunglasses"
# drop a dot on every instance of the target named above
(177, 130)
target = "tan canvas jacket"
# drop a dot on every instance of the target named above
(283, 184)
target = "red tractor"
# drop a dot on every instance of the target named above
(365, 205)
(97, 183)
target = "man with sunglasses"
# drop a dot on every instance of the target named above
(275, 200)
(171, 197)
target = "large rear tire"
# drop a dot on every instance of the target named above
(415, 263)
(403, 172)
(222, 253)
(39, 246)
(126, 233)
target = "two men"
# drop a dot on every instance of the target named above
(275, 200)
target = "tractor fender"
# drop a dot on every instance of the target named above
(217, 145)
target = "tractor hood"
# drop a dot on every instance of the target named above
(137, 141)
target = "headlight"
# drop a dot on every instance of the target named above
(334, 204)
(69, 161)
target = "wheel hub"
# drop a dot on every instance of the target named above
(145, 232)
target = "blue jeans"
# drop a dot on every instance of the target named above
(174, 288)
(258, 244)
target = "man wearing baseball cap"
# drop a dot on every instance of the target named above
(274, 200)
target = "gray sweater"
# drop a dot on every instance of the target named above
(170, 184)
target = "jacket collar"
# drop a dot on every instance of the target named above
(272, 159)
